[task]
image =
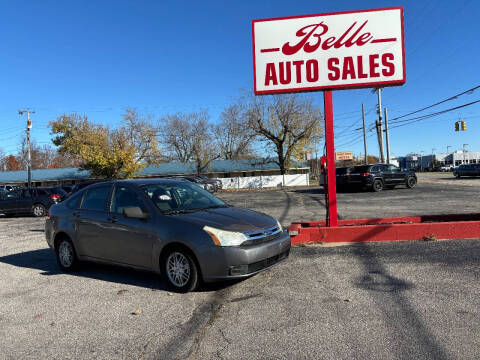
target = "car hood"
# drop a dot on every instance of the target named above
(230, 219)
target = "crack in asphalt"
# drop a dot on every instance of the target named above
(193, 331)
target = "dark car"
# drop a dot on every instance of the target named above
(83, 184)
(167, 226)
(27, 201)
(375, 177)
(67, 188)
(217, 182)
(207, 185)
(467, 170)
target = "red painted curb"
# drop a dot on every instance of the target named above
(456, 226)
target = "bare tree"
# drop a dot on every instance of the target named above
(189, 137)
(233, 133)
(285, 123)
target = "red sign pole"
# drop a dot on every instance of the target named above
(332, 219)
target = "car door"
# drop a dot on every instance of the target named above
(91, 222)
(10, 203)
(129, 240)
(25, 200)
(397, 175)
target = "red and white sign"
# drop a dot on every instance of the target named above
(344, 155)
(351, 49)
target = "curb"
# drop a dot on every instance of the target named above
(453, 226)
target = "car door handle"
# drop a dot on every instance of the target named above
(76, 214)
(112, 219)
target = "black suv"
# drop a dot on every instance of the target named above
(375, 177)
(467, 170)
(35, 201)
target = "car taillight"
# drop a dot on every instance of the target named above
(365, 174)
(54, 197)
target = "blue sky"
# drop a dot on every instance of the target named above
(99, 57)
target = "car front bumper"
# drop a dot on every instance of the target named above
(238, 262)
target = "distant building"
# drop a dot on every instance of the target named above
(233, 173)
(458, 157)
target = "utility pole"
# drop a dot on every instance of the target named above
(387, 137)
(379, 125)
(29, 156)
(433, 158)
(364, 135)
(464, 151)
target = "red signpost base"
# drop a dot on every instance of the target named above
(331, 186)
(426, 227)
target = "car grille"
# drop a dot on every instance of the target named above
(262, 236)
(259, 265)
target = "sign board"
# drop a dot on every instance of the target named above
(351, 49)
(344, 155)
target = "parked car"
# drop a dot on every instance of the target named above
(467, 170)
(375, 177)
(207, 185)
(167, 226)
(445, 168)
(218, 182)
(35, 201)
(84, 184)
(67, 188)
(10, 187)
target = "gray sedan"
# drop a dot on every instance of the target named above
(171, 227)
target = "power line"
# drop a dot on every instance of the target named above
(438, 103)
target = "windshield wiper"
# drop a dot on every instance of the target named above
(182, 211)
(214, 207)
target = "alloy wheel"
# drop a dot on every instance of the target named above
(65, 254)
(178, 269)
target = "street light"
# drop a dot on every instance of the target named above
(433, 159)
(421, 160)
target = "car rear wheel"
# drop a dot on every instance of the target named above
(457, 176)
(377, 185)
(411, 182)
(66, 256)
(180, 270)
(39, 210)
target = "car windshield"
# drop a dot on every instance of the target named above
(181, 197)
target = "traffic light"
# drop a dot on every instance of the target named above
(464, 125)
(457, 126)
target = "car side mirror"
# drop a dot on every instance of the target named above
(135, 212)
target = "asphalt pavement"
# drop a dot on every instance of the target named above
(399, 300)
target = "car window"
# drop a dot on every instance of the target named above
(74, 201)
(181, 196)
(11, 195)
(41, 192)
(96, 198)
(126, 197)
(393, 168)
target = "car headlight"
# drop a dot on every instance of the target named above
(225, 238)
(279, 225)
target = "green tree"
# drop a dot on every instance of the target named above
(107, 153)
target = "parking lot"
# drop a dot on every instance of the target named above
(364, 301)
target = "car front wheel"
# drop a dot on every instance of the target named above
(180, 270)
(411, 182)
(377, 185)
(39, 210)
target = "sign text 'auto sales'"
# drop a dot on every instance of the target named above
(329, 51)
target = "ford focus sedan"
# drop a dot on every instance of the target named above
(168, 226)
